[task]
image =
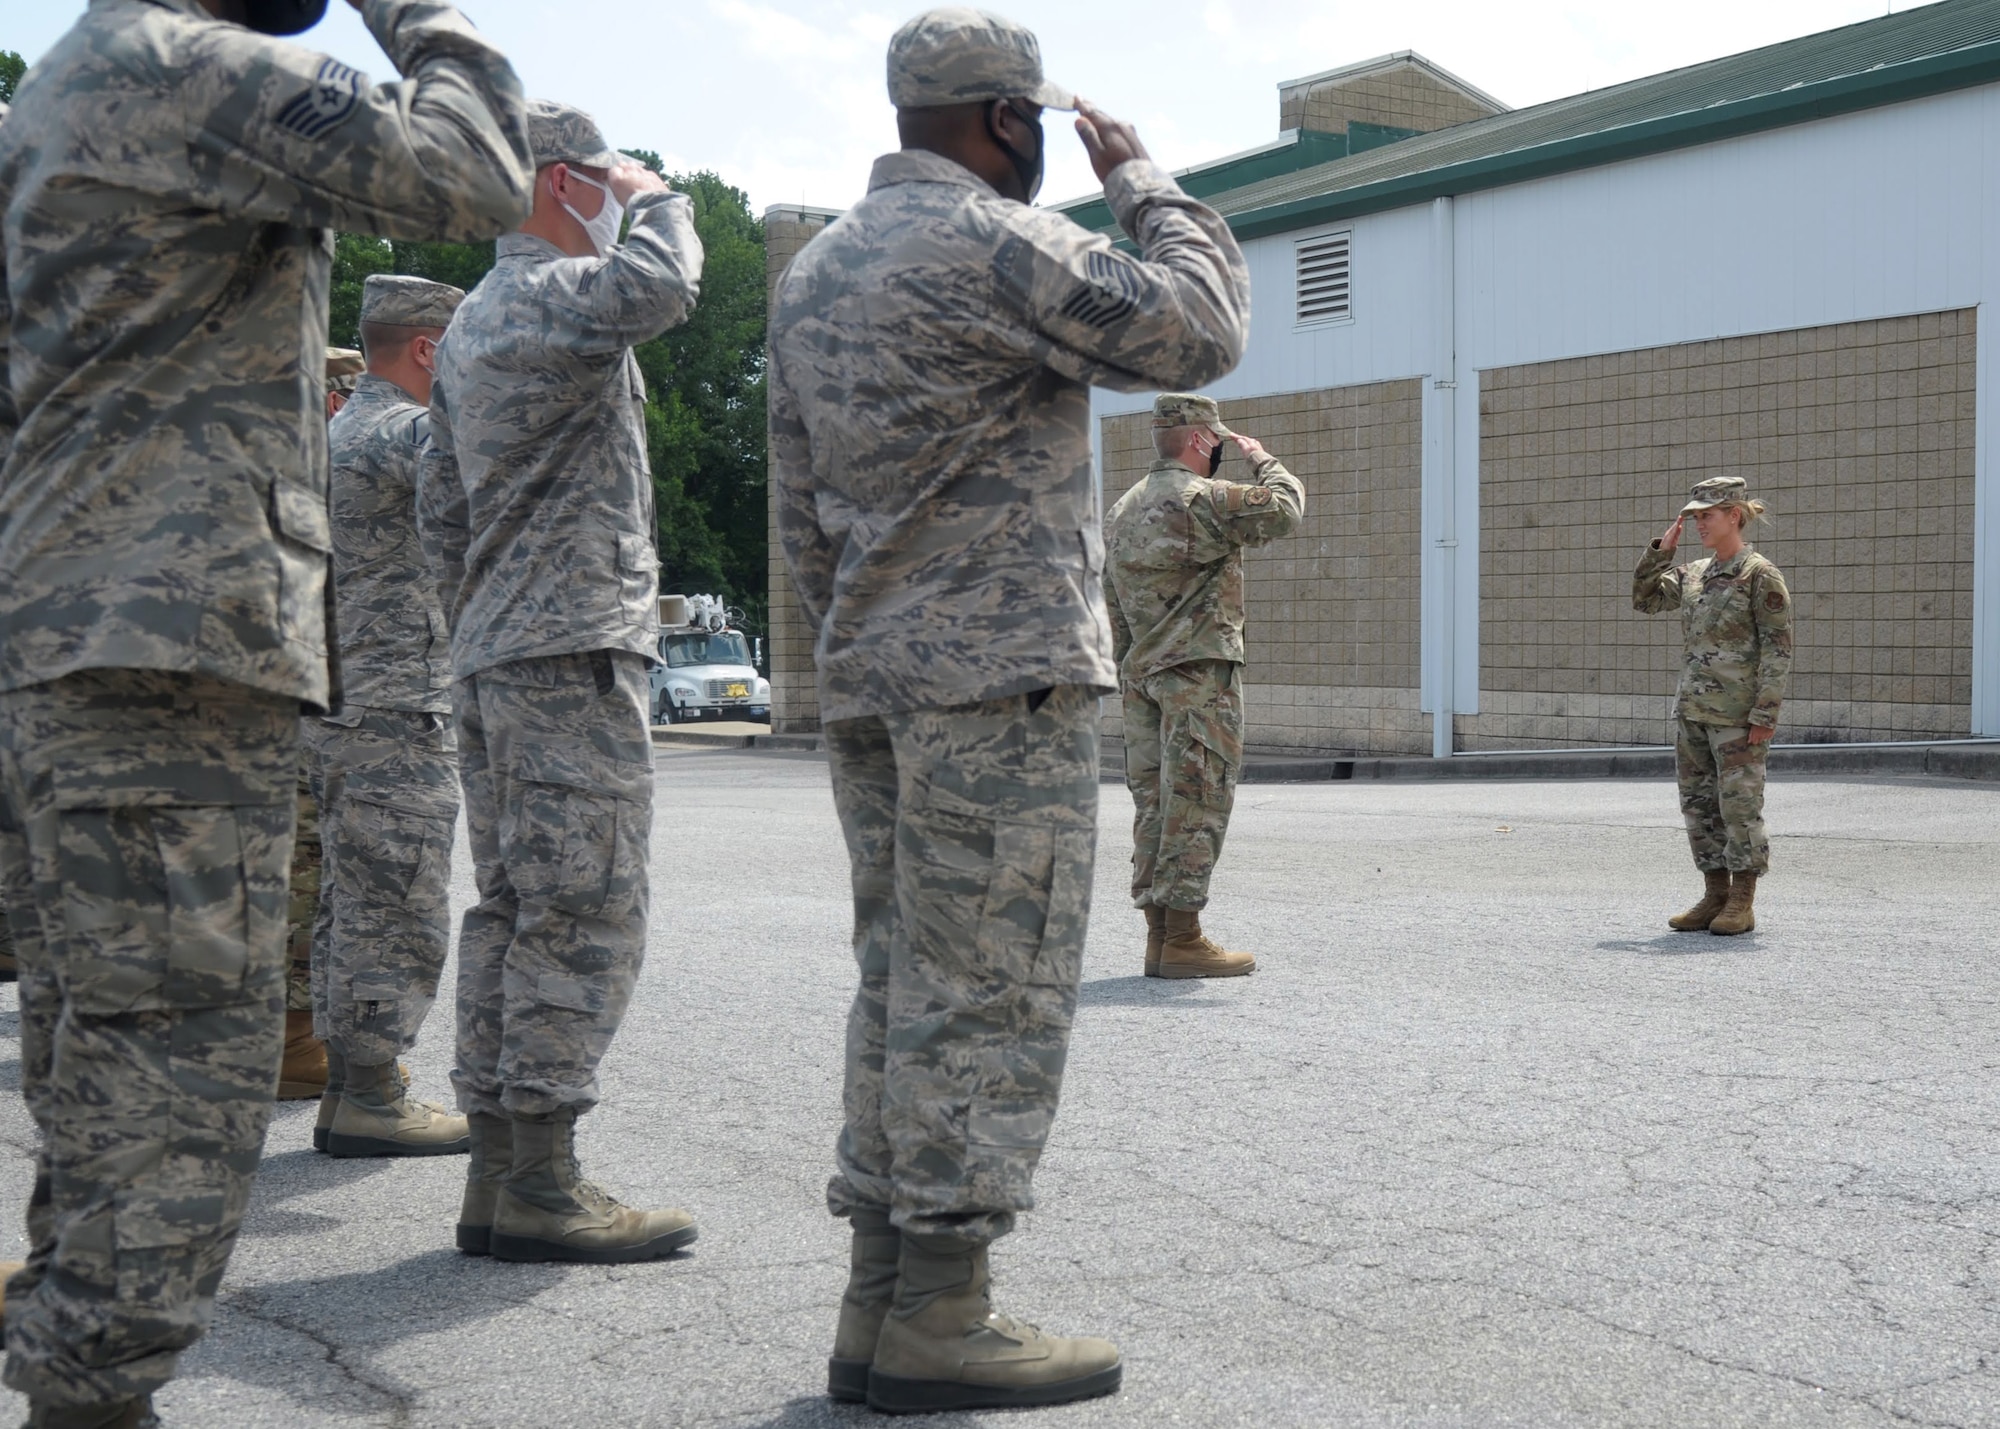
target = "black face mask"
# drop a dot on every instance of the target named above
(282, 17)
(1028, 169)
(1215, 458)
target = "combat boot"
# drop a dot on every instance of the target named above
(492, 1158)
(1186, 951)
(121, 1414)
(1156, 934)
(329, 1101)
(1739, 915)
(8, 1270)
(944, 1346)
(303, 1072)
(547, 1211)
(10, 968)
(871, 1284)
(377, 1117)
(1714, 895)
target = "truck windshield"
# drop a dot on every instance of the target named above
(721, 647)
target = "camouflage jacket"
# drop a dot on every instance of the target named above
(394, 645)
(932, 353)
(536, 500)
(167, 184)
(1174, 562)
(1736, 620)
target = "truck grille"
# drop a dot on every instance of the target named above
(719, 690)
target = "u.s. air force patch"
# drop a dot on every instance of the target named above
(1111, 292)
(330, 98)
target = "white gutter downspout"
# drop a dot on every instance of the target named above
(1440, 483)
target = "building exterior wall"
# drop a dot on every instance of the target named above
(1857, 219)
(1401, 96)
(1331, 628)
(1860, 437)
(794, 687)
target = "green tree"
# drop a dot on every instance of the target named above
(12, 67)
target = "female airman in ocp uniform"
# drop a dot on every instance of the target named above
(1736, 628)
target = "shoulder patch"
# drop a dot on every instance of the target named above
(1774, 600)
(329, 99)
(1257, 496)
(1110, 292)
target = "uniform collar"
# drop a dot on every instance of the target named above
(526, 245)
(1731, 566)
(1164, 463)
(921, 166)
(380, 389)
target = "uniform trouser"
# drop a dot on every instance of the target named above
(971, 832)
(1183, 750)
(1722, 796)
(307, 869)
(145, 824)
(387, 786)
(556, 757)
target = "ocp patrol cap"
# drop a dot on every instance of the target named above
(344, 367)
(402, 301)
(958, 55)
(564, 134)
(1185, 409)
(1717, 491)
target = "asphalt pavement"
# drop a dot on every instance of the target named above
(1482, 1143)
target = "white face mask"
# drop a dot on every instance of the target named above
(604, 228)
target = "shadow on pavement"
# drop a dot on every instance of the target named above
(819, 1412)
(1678, 944)
(1141, 992)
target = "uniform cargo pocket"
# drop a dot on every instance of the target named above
(156, 909)
(576, 838)
(383, 853)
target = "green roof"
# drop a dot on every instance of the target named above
(1931, 50)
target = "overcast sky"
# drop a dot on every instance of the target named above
(785, 98)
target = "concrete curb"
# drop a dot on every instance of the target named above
(696, 737)
(1977, 761)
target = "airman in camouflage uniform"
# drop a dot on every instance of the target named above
(1174, 588)
(384, 766)
(167, 183)
(1736, 625)
(932, 353)
(536, 508)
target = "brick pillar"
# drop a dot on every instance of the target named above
(794, 693)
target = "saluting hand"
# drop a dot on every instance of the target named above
(1109, 142)
(1252, 449)
(1672, 537)
(631, 178)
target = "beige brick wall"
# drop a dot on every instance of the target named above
(1404, 96)
(1332, 621)
(794, 692)
(1860, 438)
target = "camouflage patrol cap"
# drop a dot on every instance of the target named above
(403, 301)
(957, 55)
(1717, 491)
(1185, 409)
(344, 367)
(564, 134)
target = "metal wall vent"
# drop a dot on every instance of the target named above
(1323, 278)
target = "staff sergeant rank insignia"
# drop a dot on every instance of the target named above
(332, 97)
(1111, 293)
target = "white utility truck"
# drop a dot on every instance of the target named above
(705, 668)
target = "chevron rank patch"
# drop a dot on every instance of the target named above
(1111, 293)
(331, 98)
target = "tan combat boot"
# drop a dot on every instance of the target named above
(376, 1117)
(871, 1284)
(329, 1100)
(547, 1211)
(1739, 914)
(492, 1140)
(1714, 895)
(1156, 934)
(303, 1072)
(8, 1270)
(944, 1346)
(1188, 952)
